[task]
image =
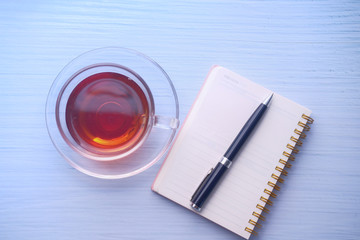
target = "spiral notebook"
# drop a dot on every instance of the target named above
(225, 102)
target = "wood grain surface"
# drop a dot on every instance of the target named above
(308, 51)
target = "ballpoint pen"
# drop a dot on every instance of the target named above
(214, 175)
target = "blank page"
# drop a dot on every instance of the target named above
(224, 104)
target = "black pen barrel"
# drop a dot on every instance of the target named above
(245, 132)
(207, 186)
(213, 177)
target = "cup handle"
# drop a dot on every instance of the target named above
(166, 122)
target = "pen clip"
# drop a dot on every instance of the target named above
(202, 183)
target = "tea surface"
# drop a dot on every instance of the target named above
(107, 111)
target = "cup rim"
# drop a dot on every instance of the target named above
(103, 155)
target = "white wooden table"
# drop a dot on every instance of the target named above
(307, 51)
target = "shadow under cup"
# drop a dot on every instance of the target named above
(103, 118)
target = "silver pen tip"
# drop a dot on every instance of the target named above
(267, 100)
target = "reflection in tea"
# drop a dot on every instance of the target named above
(107, 111)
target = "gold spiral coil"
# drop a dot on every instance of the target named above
(289, 156)
(249, 230)
(286, 164)
(281, 170)
(282, 161)
(296, 140)
(292, 149)
(262, 208)
(300, 133)
(271, 184)
(259, 216)
(255, 224)
(271, 194)
(306, 127)
(277, 178)
(266, 201)
(307, 118)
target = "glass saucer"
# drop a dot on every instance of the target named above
(163, 114)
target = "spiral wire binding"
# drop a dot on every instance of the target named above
(291, 149)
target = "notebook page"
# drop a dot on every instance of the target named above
(223, 106)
